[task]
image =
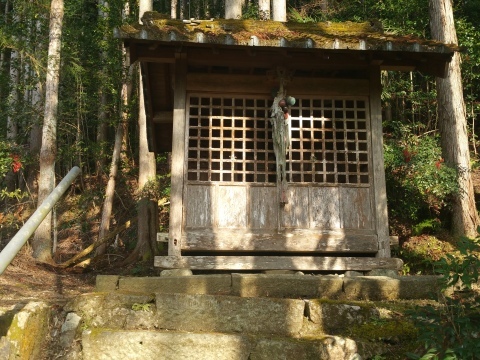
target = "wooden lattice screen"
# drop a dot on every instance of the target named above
(230, 140)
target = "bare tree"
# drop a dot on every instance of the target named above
(452, 121)
(42, 241)
(117, 149)
(233, 9)
(147, 209)
(173, 9)
(279, 10)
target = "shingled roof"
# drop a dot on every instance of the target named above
(367, 37)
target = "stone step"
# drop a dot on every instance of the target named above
(140, 344)
(219, 313)
(375, 288)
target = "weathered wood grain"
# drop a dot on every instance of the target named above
(305, 263)
(325, 208)
(231, 206)
(379, 190)
(198, 205)
(178, 157)
(287, 241)
(259, 84)
(263, 208)
(355, 208)
(295, 213)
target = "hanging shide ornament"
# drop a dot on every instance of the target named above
(280, 120)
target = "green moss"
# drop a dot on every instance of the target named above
(269, 32)
(385, 330)
(362, 304)
(28, 330)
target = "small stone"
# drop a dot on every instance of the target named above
(177, 272)
(71, 322)
(106, 282)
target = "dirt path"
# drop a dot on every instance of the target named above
(24, 280)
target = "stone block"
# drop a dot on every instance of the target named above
(28, 330)
(386, 288)
(176, 272)
(106, 282)
(287, 286)
(327, 348)
(383, 272)
(229, 314)
(152, 345)
(195, 284)
(334, 317)
(103, 344)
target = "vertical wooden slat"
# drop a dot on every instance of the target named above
(178, 157)
(198, 206)
(355, 207)
(263, 206)
(379, 187)
(231, 207)
(296, 211)
(325, 208)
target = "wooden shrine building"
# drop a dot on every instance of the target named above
(275, 131)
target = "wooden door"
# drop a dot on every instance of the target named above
(231, 201)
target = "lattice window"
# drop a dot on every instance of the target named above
(329, 142)
(230, 140)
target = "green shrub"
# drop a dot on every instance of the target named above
(452, 330)
(419, 183)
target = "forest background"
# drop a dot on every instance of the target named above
(92, 107)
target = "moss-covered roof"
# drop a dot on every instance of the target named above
(326, 35)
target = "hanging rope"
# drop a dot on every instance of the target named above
(280, 120)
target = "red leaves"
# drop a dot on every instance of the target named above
(407, 155)
(439, 162)
(16, 163)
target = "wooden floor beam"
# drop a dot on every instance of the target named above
(305, 263)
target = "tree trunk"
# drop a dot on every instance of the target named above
(103, 14)
(233, 9)
(116, 157)
(12, 125)
(35, 139)
(42, 241)
(264, 9)
(147, 209)
(280, 10)
(173, 9)
(452, 122)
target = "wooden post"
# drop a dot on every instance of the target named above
(379, 187)
(178, 156)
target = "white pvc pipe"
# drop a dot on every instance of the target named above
(21, 237)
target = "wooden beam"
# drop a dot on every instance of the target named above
(298, 241)
(306, 263)
(261, 84)
(178, 157)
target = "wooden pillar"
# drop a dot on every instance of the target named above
(379, 186)
(178, 156)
